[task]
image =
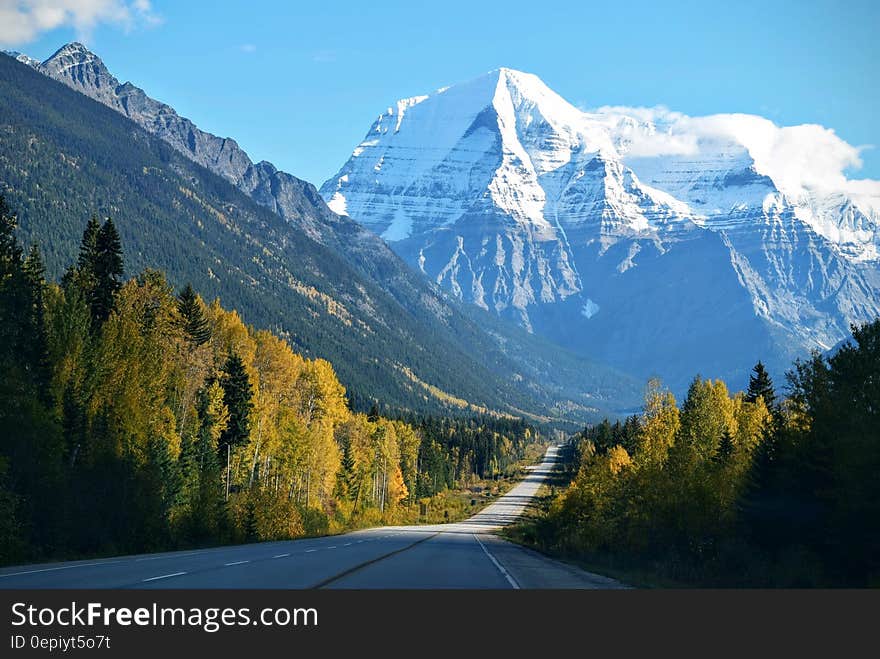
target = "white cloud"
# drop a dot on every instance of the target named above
(807, 156)
(22, 21)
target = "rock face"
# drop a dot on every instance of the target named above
(661, 263)
(560, 382)
(295, 200)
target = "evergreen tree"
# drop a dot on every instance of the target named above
(251, 533)
(238, 394)
(87, 261)
(159, 484)
(631, 430)
(37, 355)
(760, 505)
(13, 289)
(201, 486)
(725, 450)
(194, 323)
(603, 438)
(346, 478)
(761, 385)
(108, 270)
(99, 269)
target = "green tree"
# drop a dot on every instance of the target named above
(38, 358)
(238, 396)
(761, 386)
(108, 270)
(195, 326)
(13, 289)
(725, 450)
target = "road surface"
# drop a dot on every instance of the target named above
(459, 555)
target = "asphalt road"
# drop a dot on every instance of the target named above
(460, 555)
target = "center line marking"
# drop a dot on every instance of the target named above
(281, 556)
(175, 555)
(235, 563)
(54, 569)
(309, 551)
(347, 544)
(333, 547)
(164, 576)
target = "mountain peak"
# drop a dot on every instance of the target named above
(513, 199)
(79, 68)
(75, 49)
(527, 83)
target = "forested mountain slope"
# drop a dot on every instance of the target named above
(63, 157)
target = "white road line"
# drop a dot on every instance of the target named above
(359, 541)
(498, 565)
(347, 544)
(54, 569)
(235, 563)
(164, 576)
(281, 555)
(309, 551)
(156, 558)
(332, 547)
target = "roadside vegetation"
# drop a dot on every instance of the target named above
(135, 418)
(731, 490)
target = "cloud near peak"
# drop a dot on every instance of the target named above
(22, 21)
(807, 156)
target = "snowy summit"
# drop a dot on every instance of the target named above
(584, 224)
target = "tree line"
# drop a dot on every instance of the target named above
(136, 418)
(745, 489)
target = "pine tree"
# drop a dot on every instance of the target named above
(37, 356)
(88, 247)
(202, 482)
(13, 288)
(194, 323)
(725, 450)
(108, 270)
(238, 394)
(346, 476)
(603, 438)
(251, 534)
(759, 503)
(761, 385)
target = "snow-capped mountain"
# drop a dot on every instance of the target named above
(663, 243)
(535, 369)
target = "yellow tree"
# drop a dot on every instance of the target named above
(194, 365)
(408, 449)
(278, 370)
(230, 335)
(659, 425)
(706, 415)
(131, 367)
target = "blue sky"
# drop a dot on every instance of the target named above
(299, 84)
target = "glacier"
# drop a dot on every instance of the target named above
(661, 243)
